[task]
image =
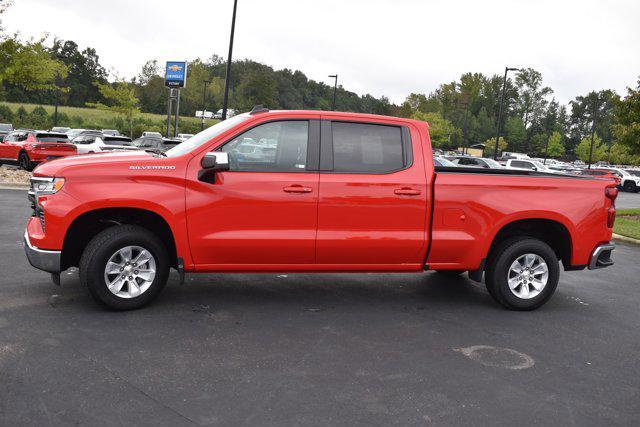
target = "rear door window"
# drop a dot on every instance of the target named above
(366, 148)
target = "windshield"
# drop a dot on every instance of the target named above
(205, 136)
(492, 163)
(633, 172)
(443, 162)
(539, 165)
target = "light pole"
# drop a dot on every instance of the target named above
(504, 87)
(225, 102)
(204, 101)
(335, 88)
(593, 129)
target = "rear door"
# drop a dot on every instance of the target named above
(372, 211)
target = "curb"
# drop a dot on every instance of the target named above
(626, 239)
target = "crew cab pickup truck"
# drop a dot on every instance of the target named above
(319, 192)
(29, 147)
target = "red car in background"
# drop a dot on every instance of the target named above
(602, 174)
(29, 147)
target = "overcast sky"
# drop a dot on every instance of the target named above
(382, 47)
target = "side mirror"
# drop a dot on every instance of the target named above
(211, 164)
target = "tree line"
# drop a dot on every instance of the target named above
(461, 113)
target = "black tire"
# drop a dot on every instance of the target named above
(498, 266)
(25, 162)
(630, 187)
(450, 273)
(100, 249)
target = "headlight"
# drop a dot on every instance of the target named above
(43, 186)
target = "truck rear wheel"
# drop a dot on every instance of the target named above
(522, 273)
(124, 267)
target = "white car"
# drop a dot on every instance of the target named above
(149, 133)
(184, 136)
(629, 181)
(528, 165)
(95, 144)
(230, 113)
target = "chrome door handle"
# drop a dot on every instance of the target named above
(407, 192)
(297, 189)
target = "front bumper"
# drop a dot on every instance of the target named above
(601, 256)
(42, 259)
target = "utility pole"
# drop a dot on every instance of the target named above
(593, 129)
(204, 101)
(335, 88)
(225, 102)
(504, 87)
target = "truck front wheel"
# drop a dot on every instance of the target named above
(124, 267)
(522, 273)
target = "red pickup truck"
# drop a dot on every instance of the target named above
(311, 191)
(28, 148)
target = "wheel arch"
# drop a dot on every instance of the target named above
(86, 225)
(553, 232)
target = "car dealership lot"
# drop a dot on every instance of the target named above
(315, 350)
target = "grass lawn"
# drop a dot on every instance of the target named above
(628, 223)
(93, 114)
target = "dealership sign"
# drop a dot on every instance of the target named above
(175, 74)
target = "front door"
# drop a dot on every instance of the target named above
(262, 213)
(373, 206)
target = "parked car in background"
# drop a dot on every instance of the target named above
(153, 143)
(441, 161)
(184, 136)
(60, 129)
(151, 133)
(475, 162)
(629, 182)
(368, 201)
(5, 128)
(110, 132)
(72, 133)
(230, 113)
(528, 165)
(28, 148)
(508, 155)
(88, 144)
(603, 174)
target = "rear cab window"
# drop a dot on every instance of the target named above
(369, 148)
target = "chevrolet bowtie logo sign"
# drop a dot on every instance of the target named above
(175, 74)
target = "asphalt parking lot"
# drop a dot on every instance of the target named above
(316, 350)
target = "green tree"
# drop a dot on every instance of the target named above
(515, 133)
(627, 126)
(29, 65)
(599, 149)
(441, 130)
(120, 97)
(555, 148)
(490, 145)
(620, 154)
(531, 101)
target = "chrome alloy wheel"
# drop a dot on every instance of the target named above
(528, 275)
(130, 272)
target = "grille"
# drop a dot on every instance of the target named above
(40, 214)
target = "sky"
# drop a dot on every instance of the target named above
(381, 47)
